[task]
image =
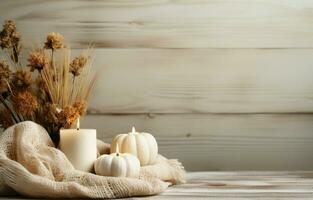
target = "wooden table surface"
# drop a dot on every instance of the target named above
(241, 185)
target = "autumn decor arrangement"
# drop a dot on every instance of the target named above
(48, 87)
(43, 95)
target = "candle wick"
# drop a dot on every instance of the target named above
(117, 154)
(78, 124)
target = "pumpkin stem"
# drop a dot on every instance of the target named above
(133, 130)
(117, 150)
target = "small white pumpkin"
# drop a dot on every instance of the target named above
(142, 145)
(118, 165)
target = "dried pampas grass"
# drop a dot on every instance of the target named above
(64, 87)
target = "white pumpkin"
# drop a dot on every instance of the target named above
(142, 145)
(118, 165)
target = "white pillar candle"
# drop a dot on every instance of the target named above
(80, 147)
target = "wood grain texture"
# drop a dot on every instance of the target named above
(168, 24)
(238, 185)
(221, 141)
(242, 185)
(203, 81)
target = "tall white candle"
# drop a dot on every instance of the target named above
(80, 147)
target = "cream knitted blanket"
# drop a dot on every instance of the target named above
(33, 167)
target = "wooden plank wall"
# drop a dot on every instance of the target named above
(223, 85)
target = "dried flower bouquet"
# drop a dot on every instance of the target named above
(50, 88)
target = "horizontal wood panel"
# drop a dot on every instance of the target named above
(168, 24)
(221, 141)
(203, 81)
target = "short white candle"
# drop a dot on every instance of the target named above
(80, 147)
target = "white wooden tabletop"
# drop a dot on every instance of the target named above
(241, 185)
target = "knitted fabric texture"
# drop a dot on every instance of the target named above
(31, 166)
